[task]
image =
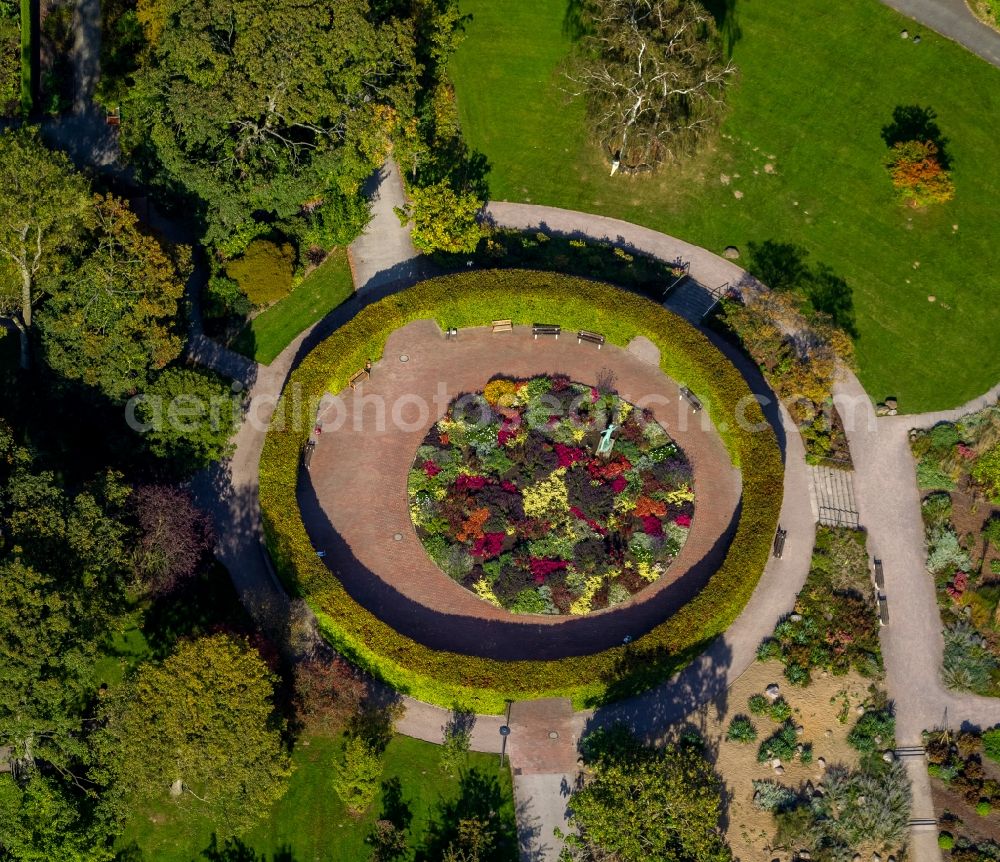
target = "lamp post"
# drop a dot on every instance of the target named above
(504, 733)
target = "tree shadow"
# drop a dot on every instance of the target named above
(481, 799)
(726, 22)
(574, 25)
(916, 123)
(235, 850)
(394, 808)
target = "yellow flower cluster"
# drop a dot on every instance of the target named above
(684, 494)
(582, 606)
(485, 592)
(500, 392)
(547, 496)
(650, 572)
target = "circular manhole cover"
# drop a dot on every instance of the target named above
(404, 357)
(553, 735)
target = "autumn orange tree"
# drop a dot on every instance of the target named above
(917, 173)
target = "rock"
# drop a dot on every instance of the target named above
(876, 857)
(878, 740)
(799, 749)
(891, 403)
(738, 194)
(773, 691)
(821, 762)
(768, 168)
(904, 34)
(724, 179)
(829, 733)
(776, 763)
(954, 227)
(860, 710)
(779, 770)
(731, 252)
(796, 618)
(932, 298)
(804, 855)
(177, 787)
(799, 730)
(857, 857)
(916, 40)
(888, 756)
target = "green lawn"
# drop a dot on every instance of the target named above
(270, 332)
(310, 823)
(817, 83)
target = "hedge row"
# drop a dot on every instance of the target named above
(473, 299)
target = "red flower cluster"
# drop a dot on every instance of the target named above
(651, 525)
(683, 520)
(609, 469)
(488, 545)
(957, 586)
(509, 487)
(577, 512)
(569, 455)
(541, 568)
(619, 484)
(431, 469)
(465, 482)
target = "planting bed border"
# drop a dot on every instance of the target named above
(473, 299)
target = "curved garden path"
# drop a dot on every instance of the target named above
(954, 20)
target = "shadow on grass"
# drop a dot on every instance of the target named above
(234, 850)
(915, 123)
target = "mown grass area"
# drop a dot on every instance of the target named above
(271, 331)
(817, 84)
(311, 823)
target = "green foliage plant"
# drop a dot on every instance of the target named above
(472, 299)
(741, 729)
(264, 271)
(991, 744)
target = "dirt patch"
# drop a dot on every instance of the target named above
(968, 514)
(973, 826)
(750, 832)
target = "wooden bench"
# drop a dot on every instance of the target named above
(692, 399)
(883, 611)
(545, 329)
(590, 338)
(779, 542)
(503, 326)
(357, 377)
(879, 575)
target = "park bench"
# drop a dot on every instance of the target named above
(879, 575)
(692, 399)
(779, 542)
(357, 377)
(503, 326)
(545, 329)
(307, 453)
(590, 338)
(883, 611)
(451, 333)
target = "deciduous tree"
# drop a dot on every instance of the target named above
(112, 321)
(44, 208)
(443, 219)
(174, 536)
(652, 75)
(261, 105)
(201, 730)
(643, 804)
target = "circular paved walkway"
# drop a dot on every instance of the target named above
(354, 501)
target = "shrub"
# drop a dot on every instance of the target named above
(991, 744)
(945, 554)
(780, 710)
(470, 299)
(991, 532)
(917, 173)
(874, 731)
(769, 795)
(264, 271)
(930, 476)
(946, 841)
(356, 776)
(741, 729)
(781, 744)
(758, 704)
(983, 808)
(986, 471)
(968, 662)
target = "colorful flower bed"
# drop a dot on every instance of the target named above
(511, 500)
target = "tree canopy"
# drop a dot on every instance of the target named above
(112, 321)
(254, 106)
(652, 75)
(200, 729)
(44, 208)
(643, 804)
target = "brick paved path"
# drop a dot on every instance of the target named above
(355, 506)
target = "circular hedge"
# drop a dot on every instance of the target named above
(483, 684)
(512, 496)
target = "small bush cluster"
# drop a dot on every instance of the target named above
(957, 462)
(834, 625)
(773, 797)
(741, 729)
(956, 759)
(918, 175)
(472, 299)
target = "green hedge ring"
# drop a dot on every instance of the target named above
(484, 684)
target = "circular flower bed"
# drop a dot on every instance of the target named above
(512, 498)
